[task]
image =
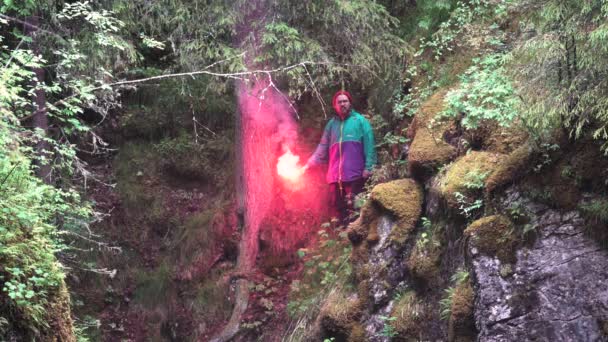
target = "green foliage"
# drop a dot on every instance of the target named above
(388, 330)
(29, 213)
(445, 304)
(184, 157)
(326, 43)
(560, 68)
(475, 179)
(466, 206)
(463, 14)
(152, 286)
(324, 268)
(428, 235)
(485, 93)
(595, 210)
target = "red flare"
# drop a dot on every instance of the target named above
(288, 168)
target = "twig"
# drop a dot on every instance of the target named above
(36, 28)
(314, 88)
(9, 174)
(13, 53)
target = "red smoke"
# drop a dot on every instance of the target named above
(282, 205)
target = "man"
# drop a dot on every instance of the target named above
(348, 144)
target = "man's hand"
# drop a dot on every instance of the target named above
(366, 174)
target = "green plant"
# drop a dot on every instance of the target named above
(546, 149)
(475, 179)
(595, 210)
(466, 207)
(388, 330)
(325, 266)
(485, 93)
(445, 304)
(560, 68)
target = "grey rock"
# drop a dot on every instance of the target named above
(559, 287)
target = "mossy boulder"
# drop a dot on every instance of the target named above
(408, 315)
(429, 150)
(509, 168)
(490, 136)
(364, 227)
(402, 198)
(462, 324)
(424, 261)
(340, 314)
(466, 177)
(357, 334)
(494, 236)
(61, 327)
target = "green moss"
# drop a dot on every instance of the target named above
(461, 317)
(466, 175)
(211, 302)
(61, 327)
(492, 137)
(340, 313)
(403, 198)
(424, 261)
(428, 149)
(152, 286)
(595, 210)
(494, 235)
(409, 314)
(510, 167)
(195, 236)
(184, 158)
(357, 334)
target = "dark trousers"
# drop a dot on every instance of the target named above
(342, 196)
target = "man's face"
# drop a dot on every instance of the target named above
(343, 105)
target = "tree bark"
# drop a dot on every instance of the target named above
(40, 118)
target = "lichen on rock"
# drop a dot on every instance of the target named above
(494, 236)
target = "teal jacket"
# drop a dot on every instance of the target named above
(348, 145)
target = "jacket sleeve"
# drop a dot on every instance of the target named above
(369, 146)
(321, 154)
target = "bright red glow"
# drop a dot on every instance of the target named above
(288, 168)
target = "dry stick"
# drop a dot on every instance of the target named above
(235, 75)
(318, 95)
(19, 21)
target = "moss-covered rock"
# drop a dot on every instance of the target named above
(357, 334)
(61, 328)
(461, 323)
(340, 314)
(492, 137)
(365, 225)
(408, 314)
(494, 235)
(466, 176)
(428, 149)
(509, 168)
(424, 261)
(403, 198)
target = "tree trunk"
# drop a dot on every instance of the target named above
(40, 119)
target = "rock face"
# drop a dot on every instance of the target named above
(558, 288)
